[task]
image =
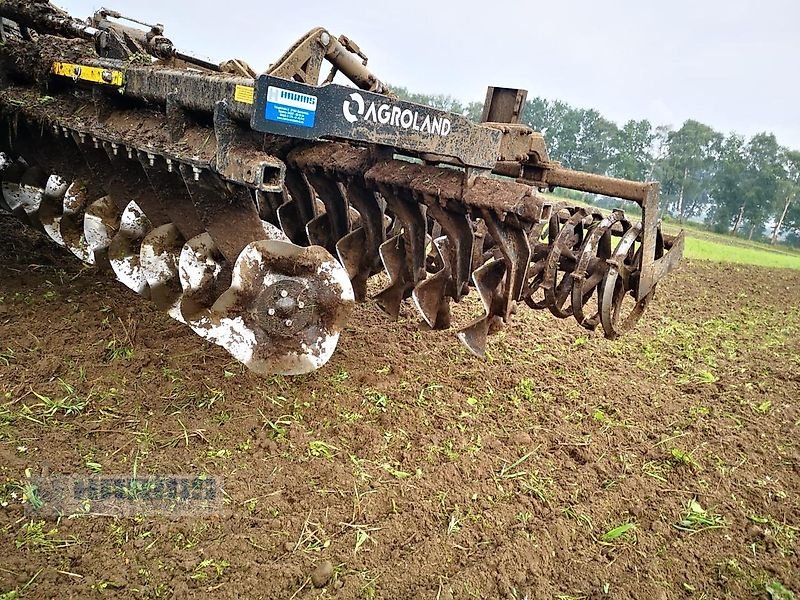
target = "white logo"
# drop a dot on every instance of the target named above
(386, 114)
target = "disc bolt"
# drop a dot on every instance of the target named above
(130, 153)
(271, 312)
(96, 142)
(169, 165)
(114, 148)
(196, 171)
(284, 293)
(151, 158)
(288, 322)
(301, 305)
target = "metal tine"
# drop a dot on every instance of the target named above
(268, 204)
(453, 256)
(430, 295)
(359, 250)
(300, 208)
(540, 252)
(487, 279)
(592, 267)
(461, 235)
(170, 190)
(617, 285)
(291, 222)
(511, 238)
(403, 255)
(562, 259)
(331, 226)
(227, 213)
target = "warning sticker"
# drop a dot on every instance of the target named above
(244, 94)
(294, 108)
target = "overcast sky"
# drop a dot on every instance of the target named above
(732, 64)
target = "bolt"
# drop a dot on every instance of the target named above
(288, 322)
(151, 158)
(114, 148)
(96, 142)
(284, 293)
(196, 173)
(301, 305)
(130, 153)
(271, 312)
(325, 38)
(169, 165)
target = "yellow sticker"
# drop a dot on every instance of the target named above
(244, 94)
(87, 73)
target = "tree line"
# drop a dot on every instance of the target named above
(743, 186)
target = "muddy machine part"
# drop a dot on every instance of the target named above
(255, 208)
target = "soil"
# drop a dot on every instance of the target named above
(664, 464)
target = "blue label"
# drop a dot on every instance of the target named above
(292, 108)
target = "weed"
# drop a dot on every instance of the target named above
(657, 470)
(683, 457)
(117, 350)
(340, 376)
(697, 519)
(784, 535)
(34, 536)
(426, 389)
(378, 400)
(7, 356)
(362, 537)
(320, 449)
(69, 404)
(618, 533)
(118, 534)
(778, 591)
(511, 471)
(210, 398)
(763, 408)
(209, 567)
(396, 472)
(312, 538)
(454, 521)
(30, 494)
(525, 390)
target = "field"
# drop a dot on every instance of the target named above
(662, 465)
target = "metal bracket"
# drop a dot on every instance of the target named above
(236, 159)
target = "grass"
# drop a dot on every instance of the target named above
(757, 254)
(702, 244)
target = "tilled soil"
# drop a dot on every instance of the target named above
(661, 465)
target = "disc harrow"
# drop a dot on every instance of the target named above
(260, 234)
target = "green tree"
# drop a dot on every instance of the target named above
(762, 185)
(728, 201)
(787, 205)
(633, 151)
(688, 168)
